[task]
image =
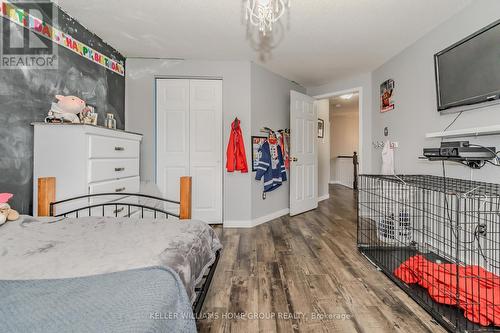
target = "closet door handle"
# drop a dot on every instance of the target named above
(120, 189)
(119, 169)
(295, 159)
(119, 148)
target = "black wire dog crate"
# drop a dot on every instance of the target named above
(439, 240)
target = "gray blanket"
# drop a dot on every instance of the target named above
(54, 249)
(141, 300)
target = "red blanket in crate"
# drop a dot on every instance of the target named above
(476, 289)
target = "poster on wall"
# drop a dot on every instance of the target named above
(257, 141)
(387, 96)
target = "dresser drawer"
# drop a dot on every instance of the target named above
(101, 170)
(107, 147)
(127, 185)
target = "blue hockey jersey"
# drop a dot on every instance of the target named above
(271, 166)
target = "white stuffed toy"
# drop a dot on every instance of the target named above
(66, 109)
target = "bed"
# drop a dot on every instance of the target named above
(144, 272)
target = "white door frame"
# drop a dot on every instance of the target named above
(358, 90)
(174, 77)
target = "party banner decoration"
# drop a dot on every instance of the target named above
(34, 24)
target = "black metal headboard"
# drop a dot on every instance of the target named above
(131, 207)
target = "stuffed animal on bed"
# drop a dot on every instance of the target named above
(66, 109)
(7, 213)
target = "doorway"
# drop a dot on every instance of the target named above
(340, 147)
(344, 137)
(334, 149)
(189, 142)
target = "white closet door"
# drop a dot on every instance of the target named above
(206, 149)
(172, 128)
(189, 142)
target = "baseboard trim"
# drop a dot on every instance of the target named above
(336, 182)
(270, 217)
(238, 224)
(257, 221)
(324, 197)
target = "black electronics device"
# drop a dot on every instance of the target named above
(452, 149)
(461, 151)
(468, 72)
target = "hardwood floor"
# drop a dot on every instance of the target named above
(304, 274)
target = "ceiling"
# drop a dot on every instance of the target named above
(324, 39)
(340, 105)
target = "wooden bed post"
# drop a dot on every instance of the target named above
(46, 195)
(185, 209)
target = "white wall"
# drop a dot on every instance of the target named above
(324, 150)
(363, 81)
(415, 96)
(140, 115)
(270, 107)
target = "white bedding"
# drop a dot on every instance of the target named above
(43, 249)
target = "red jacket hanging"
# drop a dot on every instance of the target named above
(236, 156)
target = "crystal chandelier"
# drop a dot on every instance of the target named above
(265, 13)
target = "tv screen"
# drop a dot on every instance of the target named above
(468, 72)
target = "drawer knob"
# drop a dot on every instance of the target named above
(119, 148)
(121, 189)
(119, 169)
(119, 210)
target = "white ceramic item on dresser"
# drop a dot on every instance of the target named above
(86, 159)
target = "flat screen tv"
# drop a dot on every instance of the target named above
(468, 72)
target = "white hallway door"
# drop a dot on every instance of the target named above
(189, 142)
(303, 154)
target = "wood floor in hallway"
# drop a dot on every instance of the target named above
(304, 274)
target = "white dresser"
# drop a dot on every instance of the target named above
(86, 159)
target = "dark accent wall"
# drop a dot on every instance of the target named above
(26, 96)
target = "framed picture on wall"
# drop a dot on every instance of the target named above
(387, 96)
(257, 141)
(321, 128)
